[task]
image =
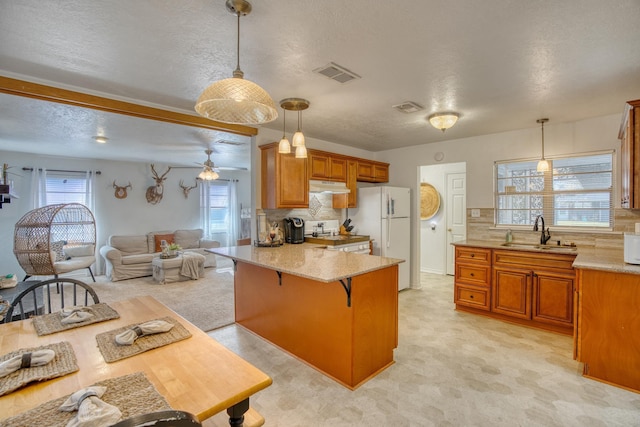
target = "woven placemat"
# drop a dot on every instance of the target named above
(52, 322)
(133, 394)
(113, 352)
(62, 364)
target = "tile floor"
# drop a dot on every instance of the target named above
(452, 369)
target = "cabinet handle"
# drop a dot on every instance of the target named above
(472, 255)
(471, 296)
(471, 274)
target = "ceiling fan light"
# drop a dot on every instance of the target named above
(301, 152)
(284, 147)
(298, 139)
(236, 101)
(443, 121)
(208, 174)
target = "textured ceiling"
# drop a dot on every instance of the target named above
(501, 64)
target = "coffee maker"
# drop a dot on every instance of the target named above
(294, 230)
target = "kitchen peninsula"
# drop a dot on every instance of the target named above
(336, 311)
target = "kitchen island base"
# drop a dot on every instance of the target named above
(346, 329)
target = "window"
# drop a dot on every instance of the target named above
(576, 192)
(218, 207)
(66, 187)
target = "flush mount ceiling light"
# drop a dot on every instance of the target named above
(543, 164)
(208, 174)
(236, 100)
(101, 139)
(443, 121)
(297, 104)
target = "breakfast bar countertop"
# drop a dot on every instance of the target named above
(307, 260)
(594, 258)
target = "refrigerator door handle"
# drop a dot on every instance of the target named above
(393, 206)
(387, 205)
(388, 236)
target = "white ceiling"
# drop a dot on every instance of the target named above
(501, 64)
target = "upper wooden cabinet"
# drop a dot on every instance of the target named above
(370, 171)
(349, 200)
(630, 137)
(285, 182)
(327, 166)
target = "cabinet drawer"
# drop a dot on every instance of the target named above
(475, 255)
(471, 296)
(531, 260)
(473, 274)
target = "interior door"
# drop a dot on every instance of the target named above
(456, 215)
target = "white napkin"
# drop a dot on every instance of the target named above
(92, 412)
(128, 337)
(76, 314)
(26, 360)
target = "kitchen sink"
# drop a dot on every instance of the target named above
(539, 246)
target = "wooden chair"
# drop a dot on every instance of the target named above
(161, 418)
(38, 299)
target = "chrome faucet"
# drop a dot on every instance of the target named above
(546, 235)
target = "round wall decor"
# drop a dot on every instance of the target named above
(429, 201)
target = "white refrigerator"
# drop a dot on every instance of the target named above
(384, 214)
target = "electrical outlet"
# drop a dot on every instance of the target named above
(475, 213)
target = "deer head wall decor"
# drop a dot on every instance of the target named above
(121, 192)
(154, 193)
(185, 189)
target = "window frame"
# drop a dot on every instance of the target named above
(61, 176)
(550, 211)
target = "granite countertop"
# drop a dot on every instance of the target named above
(607, 259)
(308, 260)
(336, 240)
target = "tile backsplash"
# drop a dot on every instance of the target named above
(320, 208)
(482, 228)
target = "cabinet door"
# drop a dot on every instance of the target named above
(381, 173)
(365, 171)
(337, 169)
(319, 167)
(293, 185)
(511, 292)
(553, 298)
(349, 200)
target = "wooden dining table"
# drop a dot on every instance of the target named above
(196, 375)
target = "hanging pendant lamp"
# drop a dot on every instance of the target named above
(297, 104)
(236, 100)
(543, 164)
(284, 147)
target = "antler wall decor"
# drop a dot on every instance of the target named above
(185, 189)
(154, 193)
(121, 192)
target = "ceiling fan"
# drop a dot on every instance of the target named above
(208, 164)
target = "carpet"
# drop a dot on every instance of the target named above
(207, 302)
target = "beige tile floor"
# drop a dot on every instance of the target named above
(452, 369)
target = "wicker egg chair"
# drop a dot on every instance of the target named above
(55, 239)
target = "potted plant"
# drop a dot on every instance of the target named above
(173, 249)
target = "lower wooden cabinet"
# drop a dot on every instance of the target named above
(530, 288)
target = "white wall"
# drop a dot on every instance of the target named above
(479, 153)
(132, 215)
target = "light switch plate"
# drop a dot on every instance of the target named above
(475, 213)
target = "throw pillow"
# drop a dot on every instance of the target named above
(77, 251)
(160, 237)
(58, 248)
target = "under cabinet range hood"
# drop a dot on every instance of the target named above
(331, 187)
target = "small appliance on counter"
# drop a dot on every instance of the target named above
(632, 248)
(294, 230)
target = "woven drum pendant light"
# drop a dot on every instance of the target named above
(236, 100)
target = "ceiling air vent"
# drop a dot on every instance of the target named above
(408, 107)
(337, 73)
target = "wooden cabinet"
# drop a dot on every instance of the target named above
(472, 277)
(285, 182)
(349, 200)
(525, 287)
(607, 324)
(370, 171)
(327, 166)
(630, 156)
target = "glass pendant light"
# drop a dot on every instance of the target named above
(284, 147)
(298, 137)
(236, 100)
(297, 104)
(543, 164)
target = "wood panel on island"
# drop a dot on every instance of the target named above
(285, 179)
(533, 289)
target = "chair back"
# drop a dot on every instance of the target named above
(38, 299)
(161, 418)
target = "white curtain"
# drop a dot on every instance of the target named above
(234, 213)
(38, 188)
(89, 196)
(205, 211)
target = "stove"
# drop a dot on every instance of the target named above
(327, 234)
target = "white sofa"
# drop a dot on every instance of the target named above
(130, 256)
